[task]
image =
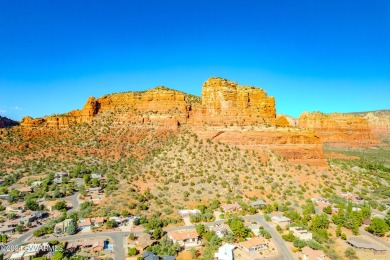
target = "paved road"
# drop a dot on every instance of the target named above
(284, 251)
(74, 200)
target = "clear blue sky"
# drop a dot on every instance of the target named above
(329, 55)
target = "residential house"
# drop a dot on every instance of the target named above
(301, 233)
(97, 222)
(62, 226)
(125, 221)
(133, 220)
(367, 222)
(60, 174)
(281, 220)
(363, 245)
(257, 203)
(15, 208)
(118, 220)
(27, 218)
(310, 254)
(187, 212)
(50, 205)
(231, 207)
(96, 176)
(144, 241)
(225, 252)
(185, 237)
(85, 224)
(40, 214)
(95, 198)
(58, 180)
(96, 245)
(7, 230)
(254, 244)
(147, 255)
(36, 184)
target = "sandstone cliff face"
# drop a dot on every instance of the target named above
(379, 121)
(296, 145)
(339, 129)
(6, 122)
(241, 115)
(225, 102)
(159, 106)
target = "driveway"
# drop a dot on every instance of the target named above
(74, 200)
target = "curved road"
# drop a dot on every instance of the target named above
(284, 251)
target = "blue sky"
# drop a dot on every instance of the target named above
(311, 55)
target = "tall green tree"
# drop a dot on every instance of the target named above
(158, 233)
(238, 228)
(60, 205)
(378, 227)
(32, 204)
(72, 228)
(320, 222)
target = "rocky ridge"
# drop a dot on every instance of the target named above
(339, 129)
(379, 121)
(244, 116)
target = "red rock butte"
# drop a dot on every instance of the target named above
(244, 116)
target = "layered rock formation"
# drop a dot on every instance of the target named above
(226, 103)
(379, 121)
(339, 129)
(6, 122)
(160, 105)
(241, 115)
(298, 146)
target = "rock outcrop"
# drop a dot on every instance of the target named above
(241, 115)
(161, 106)
(379, 121)
(226, 103)
(6, 122)
(339, 129)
